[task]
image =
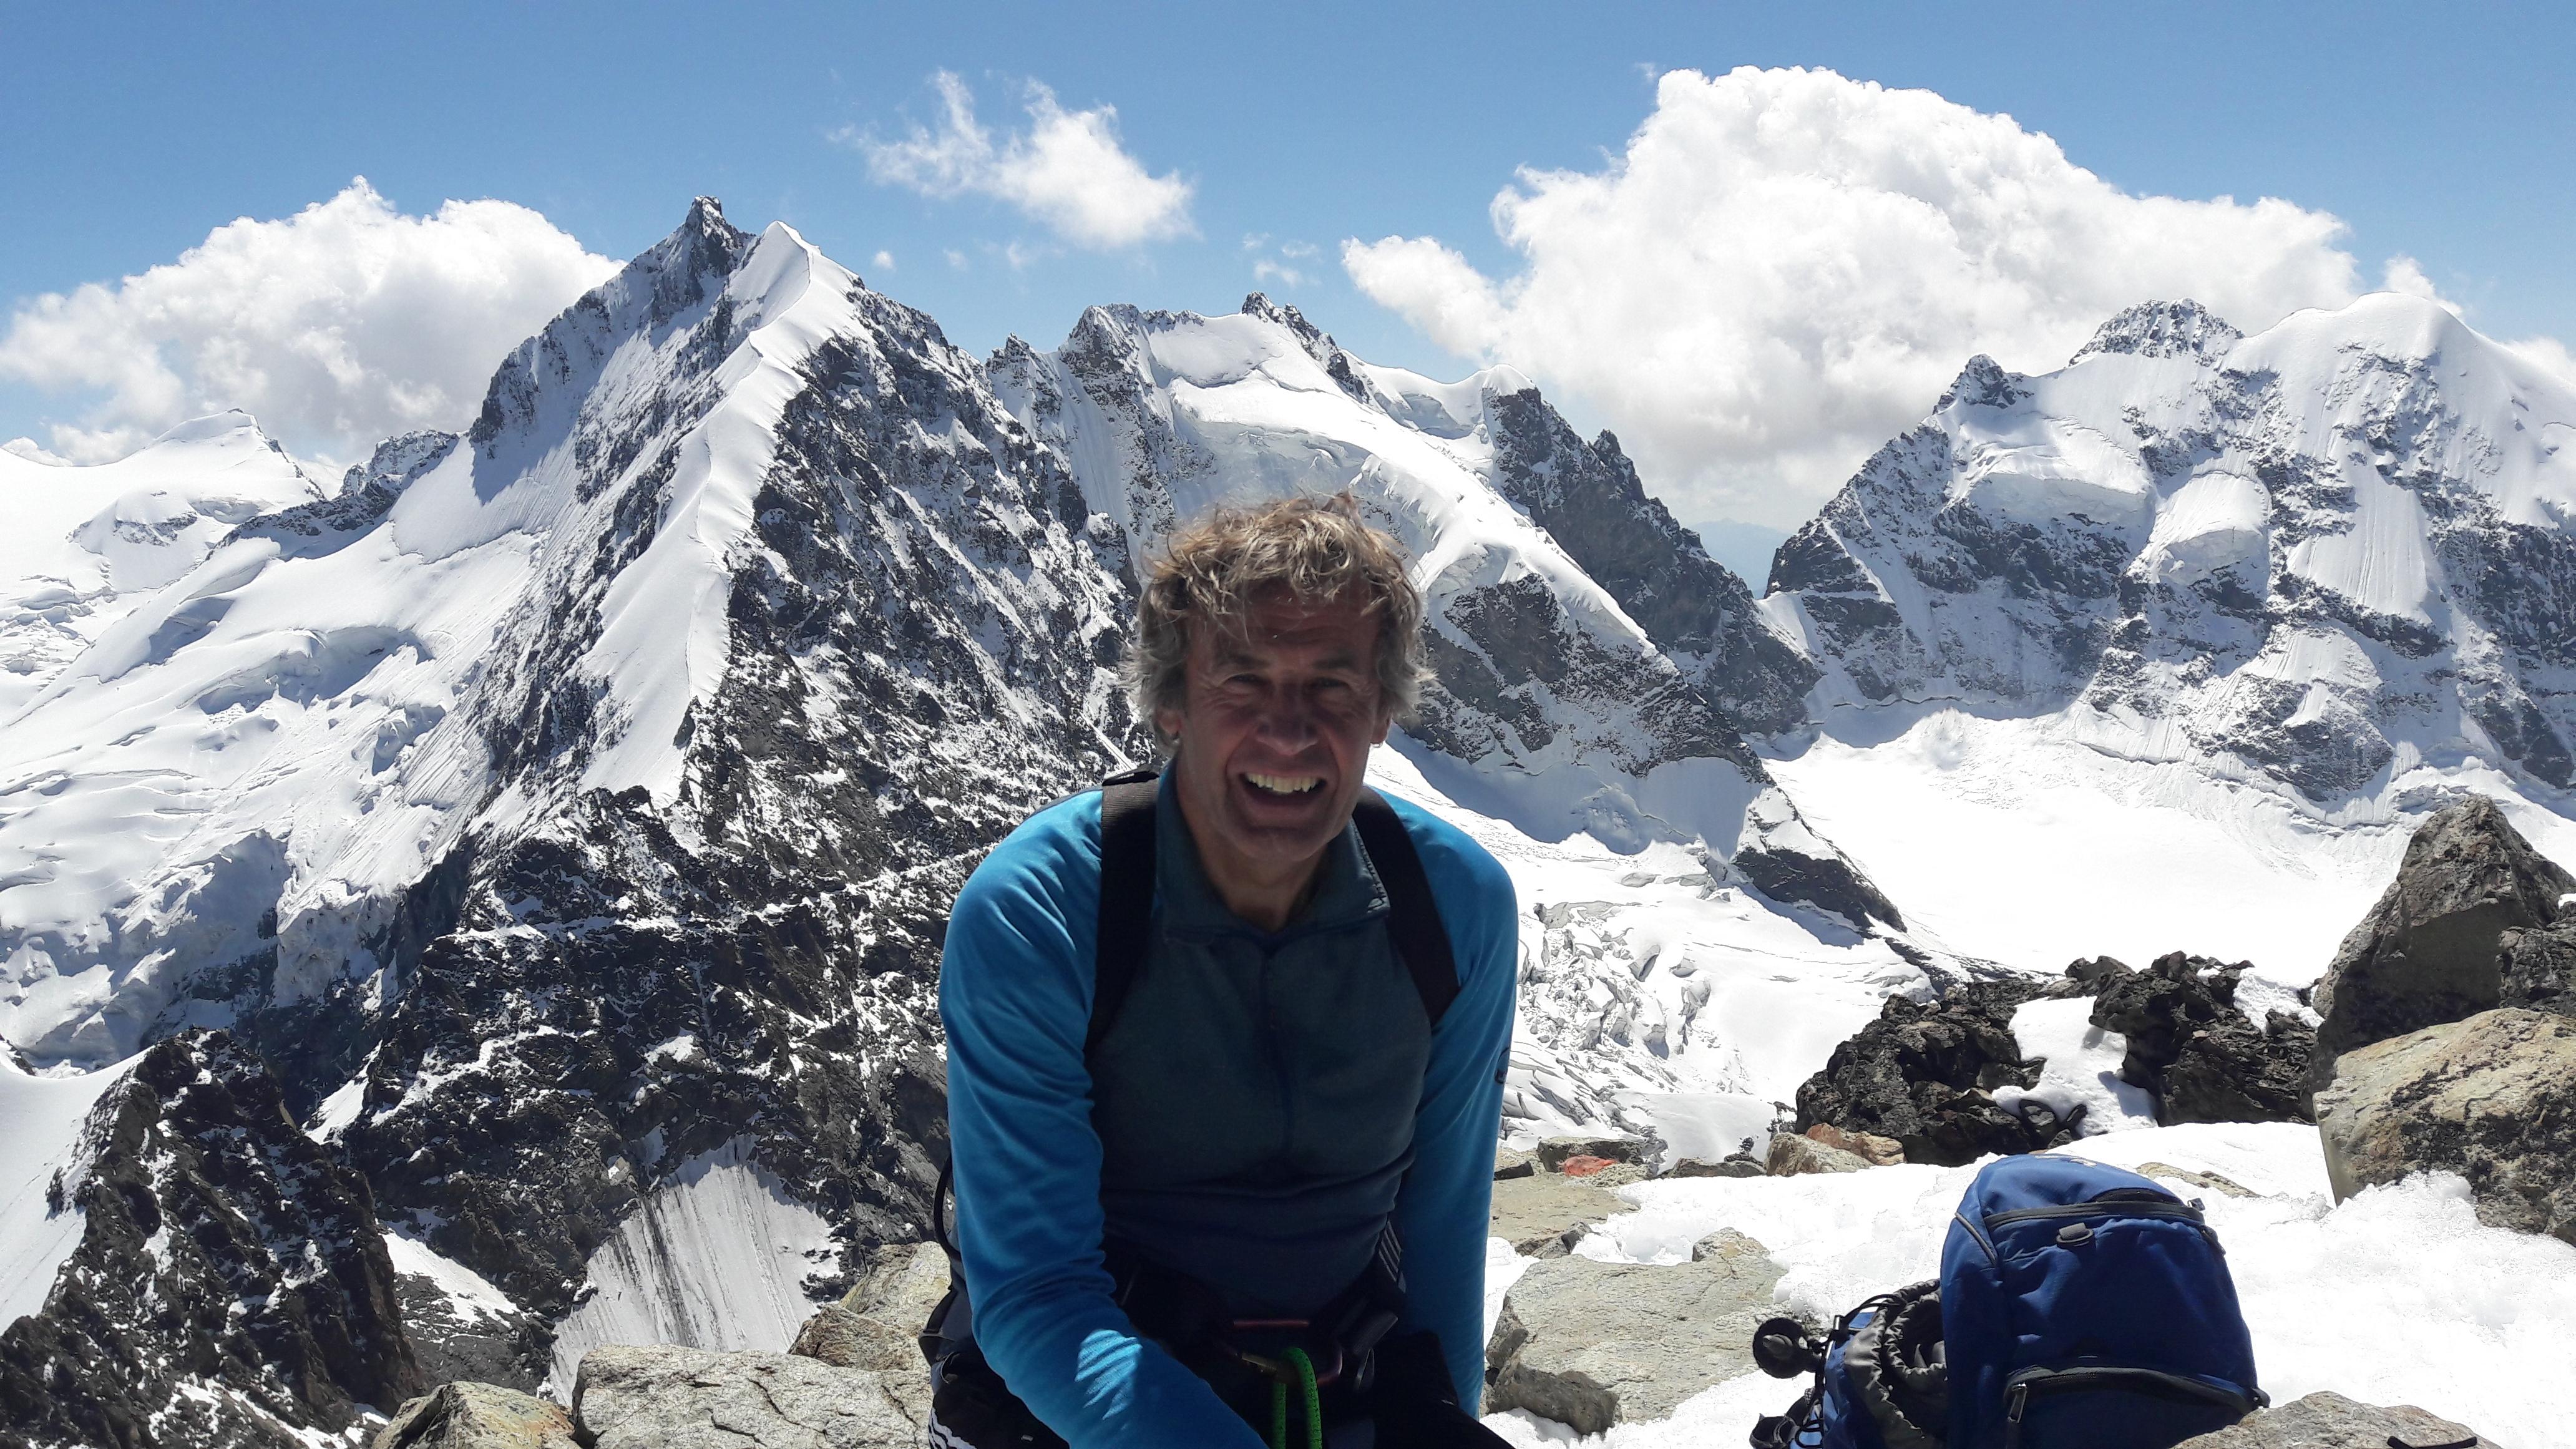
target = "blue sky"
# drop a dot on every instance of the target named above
(135, 131)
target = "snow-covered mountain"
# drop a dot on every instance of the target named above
(2283, 590)
(83, 545)
(565, 811)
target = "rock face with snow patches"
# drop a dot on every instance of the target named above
(1924, 1075)
(230, 1285)
(2319, 556)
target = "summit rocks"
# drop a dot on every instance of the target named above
(1923, 1074)
(2430, 950)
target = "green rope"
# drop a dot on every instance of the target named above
(1314, 1404)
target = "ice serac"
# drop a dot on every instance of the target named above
(2332, 558)
(1559, 705)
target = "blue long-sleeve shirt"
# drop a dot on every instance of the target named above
(1016, 992)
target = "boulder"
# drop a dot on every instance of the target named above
(1921, 1075)
(1544, 1215)
(2492, 1098)
(666, 1397)
(900, 1284)
(1742, 1164)
(2427, 952)
(2331, 1421)
(465, 1415)
(1555, 1152)
(2194, 1050)
(1592, 1344)
(1877, 1151)
(843, 1339)
(1792, 1155)
(1511, 1162)
(877, 1324)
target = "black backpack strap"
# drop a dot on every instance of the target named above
(1413, 917)
(1126, 895)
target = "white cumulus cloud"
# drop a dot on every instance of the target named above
(335, 327)
(1068, 170)
(1785, 267)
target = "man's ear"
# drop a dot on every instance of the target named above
(1168, 722)
(1385, 722)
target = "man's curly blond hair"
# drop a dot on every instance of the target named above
(1313, 549)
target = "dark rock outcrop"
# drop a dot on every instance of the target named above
(2428, 951)
(1922, 1074)
(2191, 1047)
(2538, 968)
(1589, 498)
(231, 1287)
(2492, 1098)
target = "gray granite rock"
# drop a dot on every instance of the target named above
(1871, 1148)
(1793, 1155)
(1742, 1164)
(2428, 951)
(1592, 1344)
(2492, 1098)
(1544, 1215)
(465, 1415)
(664, 1397)
(876, 1325)
(1554, 1153)
(2331, 1421)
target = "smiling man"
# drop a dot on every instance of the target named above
(1225, 1049)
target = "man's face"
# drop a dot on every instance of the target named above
(1274, 737)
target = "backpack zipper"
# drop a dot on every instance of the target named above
(2116, 1208)
(2018, 1390)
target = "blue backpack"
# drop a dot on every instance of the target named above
(2079, 1307)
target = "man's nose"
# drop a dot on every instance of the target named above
(1288, 717)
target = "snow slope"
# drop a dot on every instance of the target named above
(717, 1257)
(84, 544)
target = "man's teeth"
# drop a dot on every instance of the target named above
(1284, 784)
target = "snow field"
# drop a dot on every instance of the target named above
(2397, 1296)
(715, 1258)
(2083, 1068)
(469, 1293)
